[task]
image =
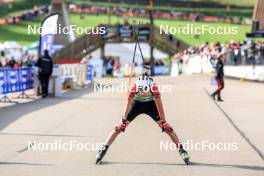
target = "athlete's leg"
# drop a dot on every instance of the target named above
(120, 127)
(169, 130)
(152, 111)
(220, 88)
(112, 136)
(116, 131)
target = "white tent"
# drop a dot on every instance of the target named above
(12, 45)
(1, 46)
(12, 49)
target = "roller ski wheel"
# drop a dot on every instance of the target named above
(185, 158)
(100, 155)
(184, 155)
(98, 161)
(187, 161)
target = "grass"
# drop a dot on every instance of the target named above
(18, 32)
(7, 10)
(93, 20)
(245, 3)
(245, 12)
(235, 2)
(190, 39)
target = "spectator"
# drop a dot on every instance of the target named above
(45, 65)
(180, 65)
(109, 68)
(2, 58)
(116, 67)
(29, 62)
(12, 63)
(24, 58)
(219, 69)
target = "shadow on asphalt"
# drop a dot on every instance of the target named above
(193, 164)
(236, 127)
(259, 168)
(44, 135)
(10, 114)
(19, 163)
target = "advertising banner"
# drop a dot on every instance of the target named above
(90, 73)
(79, 73)
(48, 30)
(15, 80)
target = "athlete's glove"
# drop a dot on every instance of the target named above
(166, 127)
(122, 125)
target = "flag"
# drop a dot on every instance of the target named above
(48, 31)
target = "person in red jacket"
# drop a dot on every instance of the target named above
(219, 77)
(143, 98)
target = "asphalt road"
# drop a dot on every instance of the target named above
(84, 118)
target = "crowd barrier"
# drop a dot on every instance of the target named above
(90, 73)
(198, 64)
(13, 80)
(162, 70)
(245, 72)
(79, 73)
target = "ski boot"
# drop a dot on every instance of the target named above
(101, 154)
(220, 99)
(184, 155)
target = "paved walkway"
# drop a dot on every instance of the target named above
(84, 117)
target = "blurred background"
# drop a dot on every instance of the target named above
(22, 48)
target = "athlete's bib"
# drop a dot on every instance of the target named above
(144, 89)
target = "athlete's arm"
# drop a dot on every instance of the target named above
(160, 108)
(158, 101)
(128, 105)
(131, 94)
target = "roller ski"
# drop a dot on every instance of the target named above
(101, 154)
(184, 155)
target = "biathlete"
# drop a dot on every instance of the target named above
(143, 98)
